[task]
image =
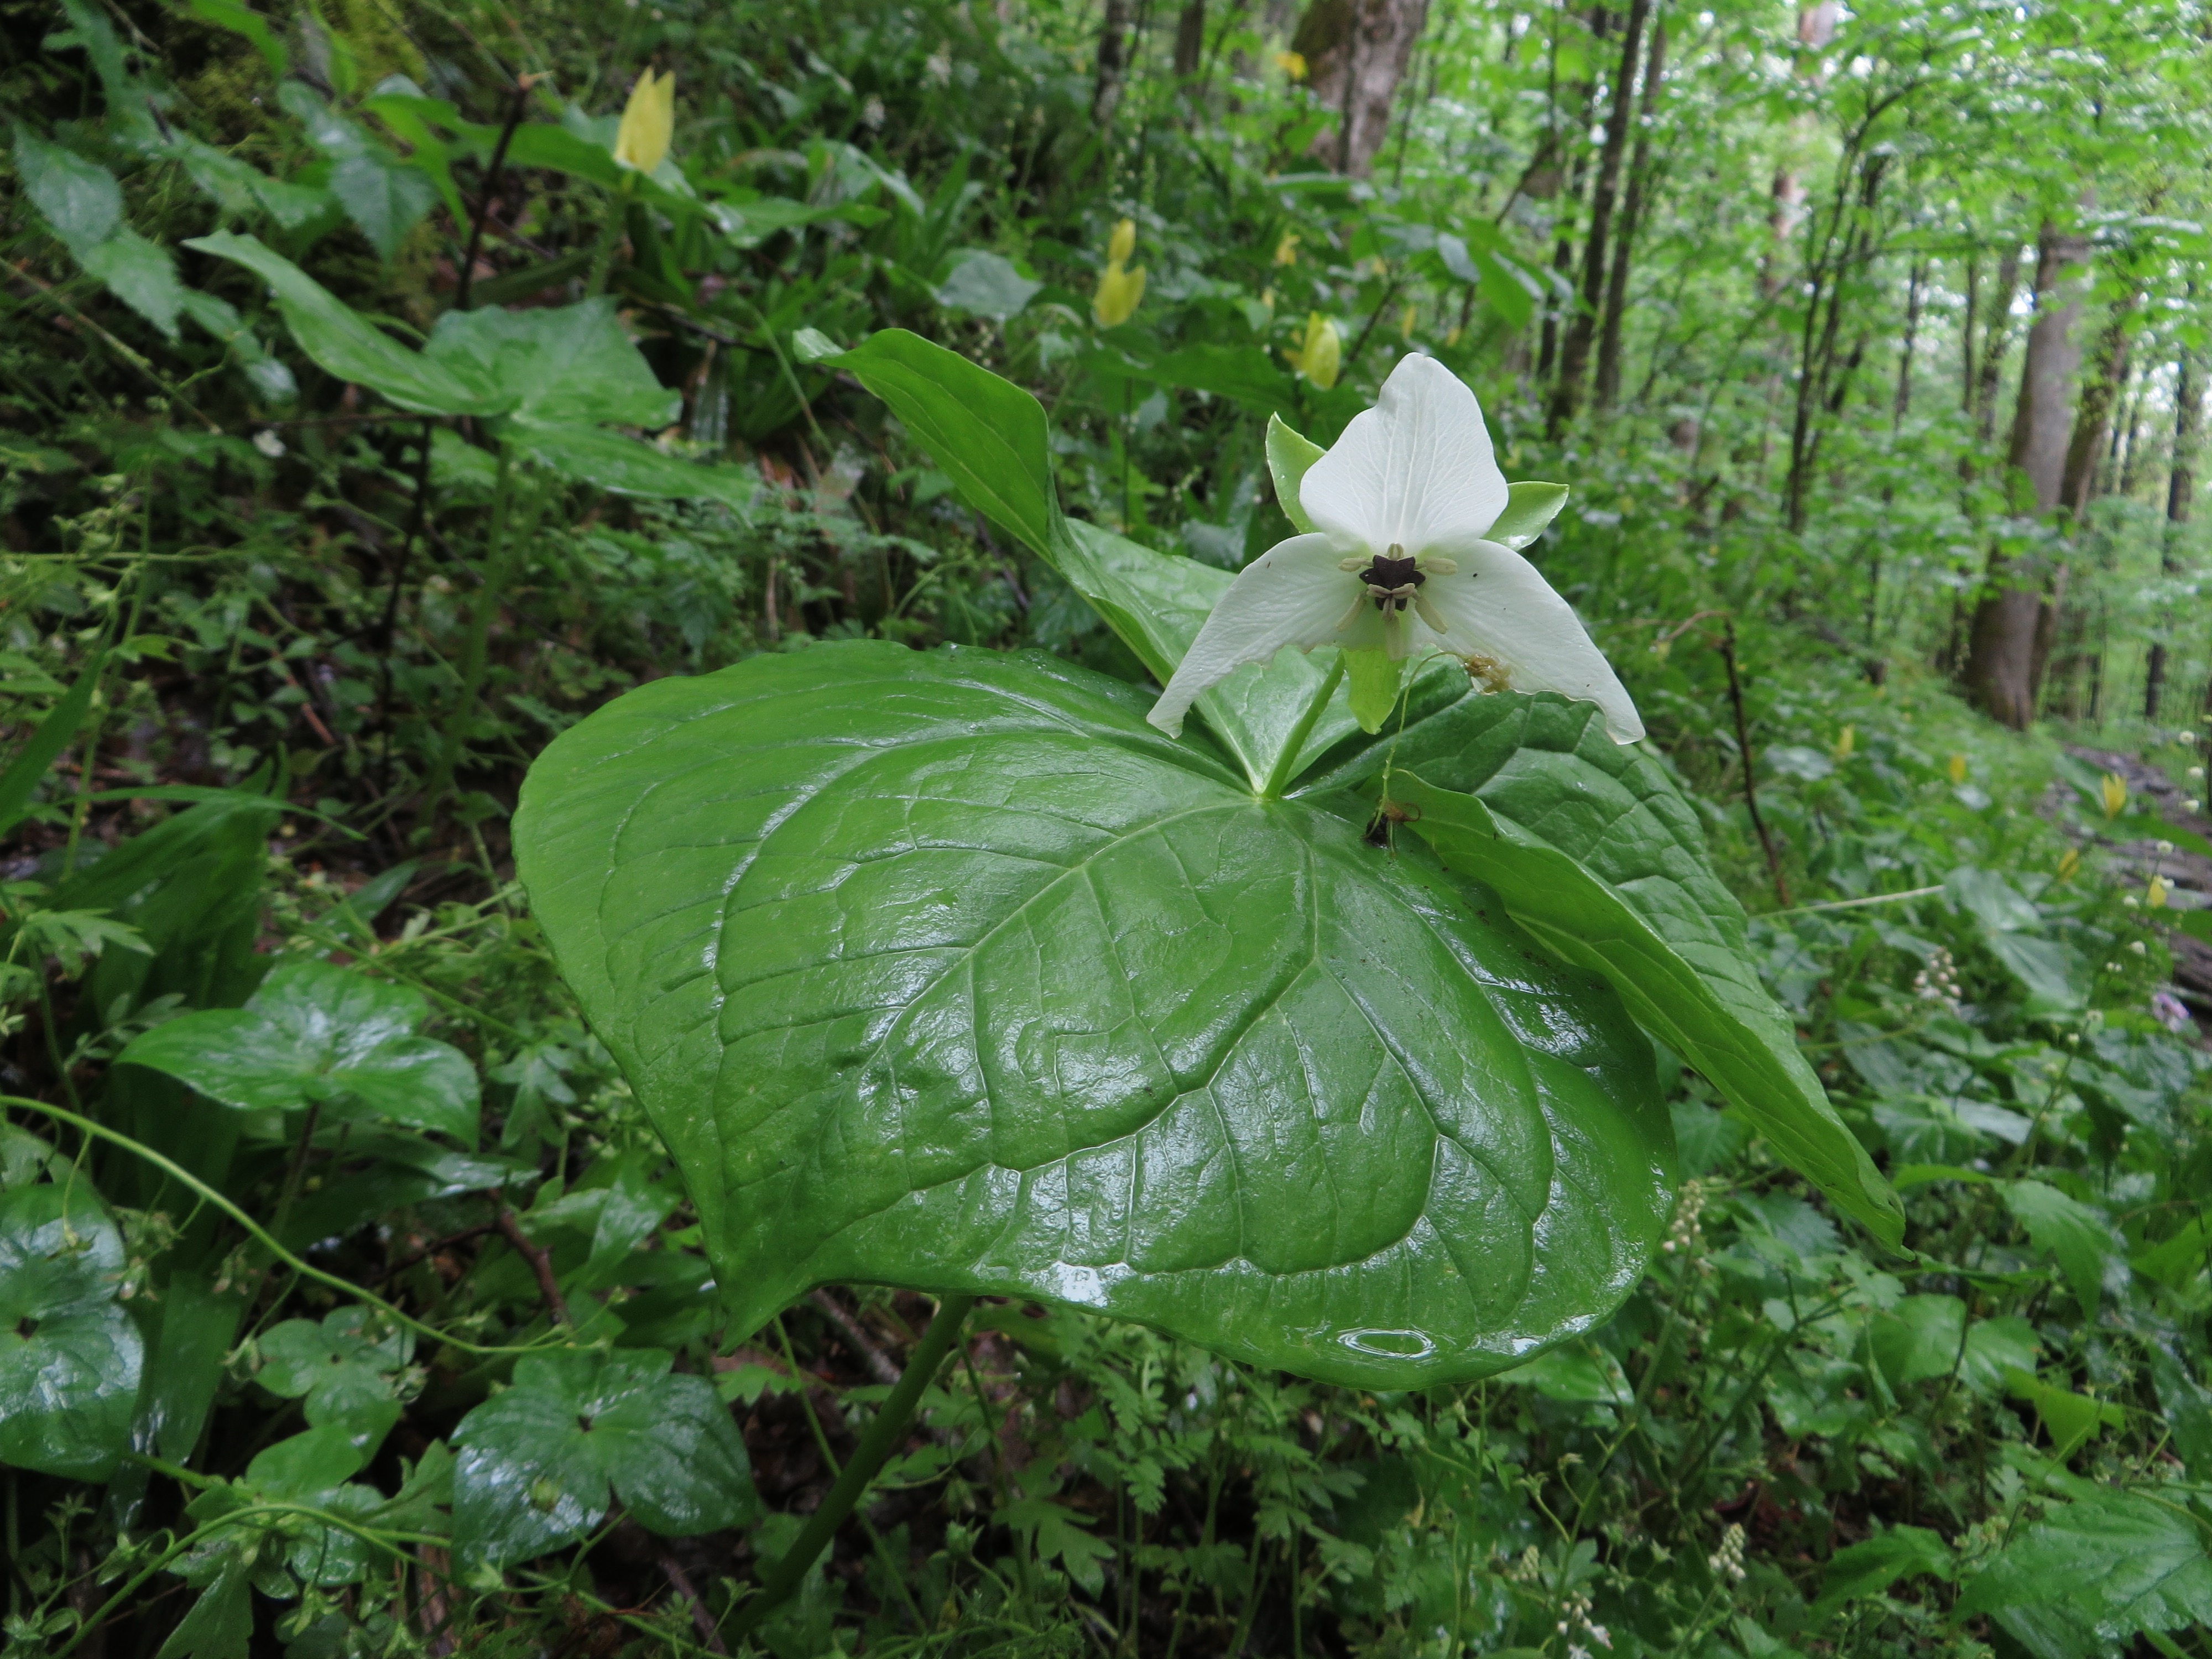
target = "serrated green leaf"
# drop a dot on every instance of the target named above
(69, 1356)
(140, 273)
(947, 971)
(1637, 905)
(2120, 1562)
(315, 1034)
(78, 197)
(537, 1461)
(2076, 1235)
(382, 195)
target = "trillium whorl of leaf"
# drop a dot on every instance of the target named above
(1397, 562)
(648, 123)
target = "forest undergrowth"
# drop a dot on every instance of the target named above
(350, 1302)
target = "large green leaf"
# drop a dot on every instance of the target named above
(537, 1460)
(562, 366)
(629, 466)
(2119, 1563)
(348, 345)
(69, 1356)
(313, 1033)
(1589, 846)
(948, 971)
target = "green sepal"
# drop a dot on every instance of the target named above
(1373, 678)
(1289, 455)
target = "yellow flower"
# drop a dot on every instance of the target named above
(647, 123)
(1286, 251)
(1123, 243)
(1322, 355)
(2156, 897)
(1846, 742)
(1958, 768)
(1292, 63)
(1267, 298)
(1452, 338)
(1119, 294)
(1406, 321)
(2115, 794)
(2069, 864)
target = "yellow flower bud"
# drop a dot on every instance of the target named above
(1292, 63)
(1322, 354)
(647, 123)
(1267, 298)
(2115, 794)
(1119, 294)
(1123, 243)
(1847, 741)
(1957, 769)
(2068, 865)
(2155, 898)
(1286, 251)
(1407, 318)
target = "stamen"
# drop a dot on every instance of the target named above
(1345, 621)
(1435, 566)
(1358, 563)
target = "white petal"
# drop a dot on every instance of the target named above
(1417, 469)
(1499, 607)
(1291, 594)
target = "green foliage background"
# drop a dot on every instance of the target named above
(361, 1311)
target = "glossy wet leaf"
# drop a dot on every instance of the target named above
(315, 1034)
(537, 1459)
(70, 1356)
(341, 1366)
(1640, 906)
(947, 971)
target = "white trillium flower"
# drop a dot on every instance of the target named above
(1397, 562)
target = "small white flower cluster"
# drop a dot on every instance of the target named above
(1685, 1234)
(1727, 1561)
(1939, 981)
(1577, 1623)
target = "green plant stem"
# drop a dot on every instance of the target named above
(602, 251)
(260, 1235)
(477, 648)
(876, 1444)
(1286, 763)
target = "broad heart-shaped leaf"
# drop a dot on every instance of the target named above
(537, 1461)
(313, 1033)
(572, 366)
(1589, 847)
(947, 971)
(69, 1356)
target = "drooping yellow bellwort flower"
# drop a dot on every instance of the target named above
(1847, 743)
(1123, 243)
(1322, 355)
(2156, 897)
(1119, 295)
(1407, 318)
(1286, 251)
(648, 123)
(2115, 793)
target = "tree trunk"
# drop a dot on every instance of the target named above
(2001, 653)
(2180, 493)
(1574, 354)
(2093, 415)
(1356, 51)
(1984, 398)
(1914, 283)
(1568, 202)
(1113, 61)
(1632, 218)
(1190, 39)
